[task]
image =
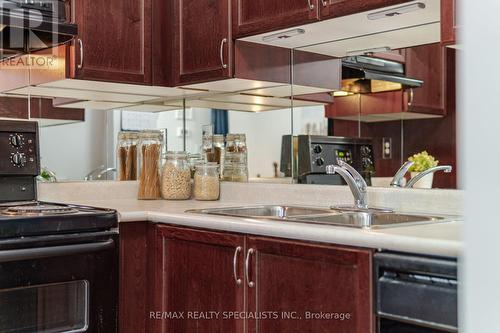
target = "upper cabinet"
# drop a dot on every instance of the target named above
(337, 8)
(114, 41)
(448, 22)
(202, 40)
(257, 16)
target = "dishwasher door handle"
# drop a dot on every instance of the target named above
(54, 251)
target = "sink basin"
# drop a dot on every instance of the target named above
(273, 211)
(369, 220)
(348, 217)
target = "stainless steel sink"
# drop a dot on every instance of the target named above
(272, 211)
(326, 216)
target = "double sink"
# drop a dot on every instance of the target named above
(348, 217)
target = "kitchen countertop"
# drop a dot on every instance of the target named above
(440, 239)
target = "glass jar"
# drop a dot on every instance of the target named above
(207, 182)
(176, 177)
(126, 152)
(194, 160)
(241, 147)
(230, 148)
(220, 151)
(236, 172)
(149, 156)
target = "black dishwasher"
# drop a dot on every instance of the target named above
(415, 294)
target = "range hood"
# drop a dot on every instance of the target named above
(28, 26)
(364, 74)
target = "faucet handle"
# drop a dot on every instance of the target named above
(398, 177)
(355, 174)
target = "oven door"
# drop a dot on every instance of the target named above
(59, 284)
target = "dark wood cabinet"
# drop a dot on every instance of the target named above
(300, 281)
(448, 22)
(203, 44)
(337, 8)
(252, 17)
(271, 285)
(41, 109)
(114, 41)
(198, 271)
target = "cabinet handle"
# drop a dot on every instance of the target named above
(324, 2)
(224, 41)
(311, 5)
(235, 265)
(410, 101)
(80, 65)
(250, 284)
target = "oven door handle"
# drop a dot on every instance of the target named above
(54, 251)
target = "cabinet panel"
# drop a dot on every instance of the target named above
(427, 63)
(448, 22)
(337, 8)
(115, 40)
(258, 16)
(304, 280)
(203, 42)
(195, 273)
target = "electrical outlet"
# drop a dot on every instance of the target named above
(386, 148)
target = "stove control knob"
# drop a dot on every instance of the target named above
(19, 159)
(16, 140)
(318, 149)
(320, 162)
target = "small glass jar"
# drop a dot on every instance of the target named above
(207, 182)
(194, 160)
(126, 152)
(149, 156)
(176, 177)
(220, 151)
(236, 172)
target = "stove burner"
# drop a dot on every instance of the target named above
(38, 210)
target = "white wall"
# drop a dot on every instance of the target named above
(73, 150)
(479, 117)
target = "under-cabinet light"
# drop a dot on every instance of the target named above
(396, 11)
(2, 26)
(368, 51)
(283, 35)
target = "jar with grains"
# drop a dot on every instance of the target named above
(127, 155)
(176, 177)
(207, 182)
(149, 146)
(236, 172)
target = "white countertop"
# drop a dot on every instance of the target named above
(441, 239)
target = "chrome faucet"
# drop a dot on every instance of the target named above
(397, 181)
(98, 173)
(355, 181)
(414, 180)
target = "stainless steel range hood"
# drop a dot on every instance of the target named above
(364, 74)
(26, 27)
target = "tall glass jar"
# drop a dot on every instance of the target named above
(241, 147)
(150, 146)
(176, 177)
(220, 151)
(126, 152)
(207, 182)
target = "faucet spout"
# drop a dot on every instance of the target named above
(355, 181)
(414, 180)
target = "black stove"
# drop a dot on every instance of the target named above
(58, 262)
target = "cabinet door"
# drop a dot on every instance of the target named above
(308, 288)
(337, 8)
(427, 63)
(203, 42)
(114, 40)
(197, 272)
(257, 16)
(448, 22)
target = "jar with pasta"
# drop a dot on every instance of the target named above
(176, 177)
(127, 155)
(207, 182)
(150, 147)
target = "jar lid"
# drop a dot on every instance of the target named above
(150, 134)
(218, 138)
(208, 165)
(128, 135)
(176, 154)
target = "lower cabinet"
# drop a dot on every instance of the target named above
(205, 281)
